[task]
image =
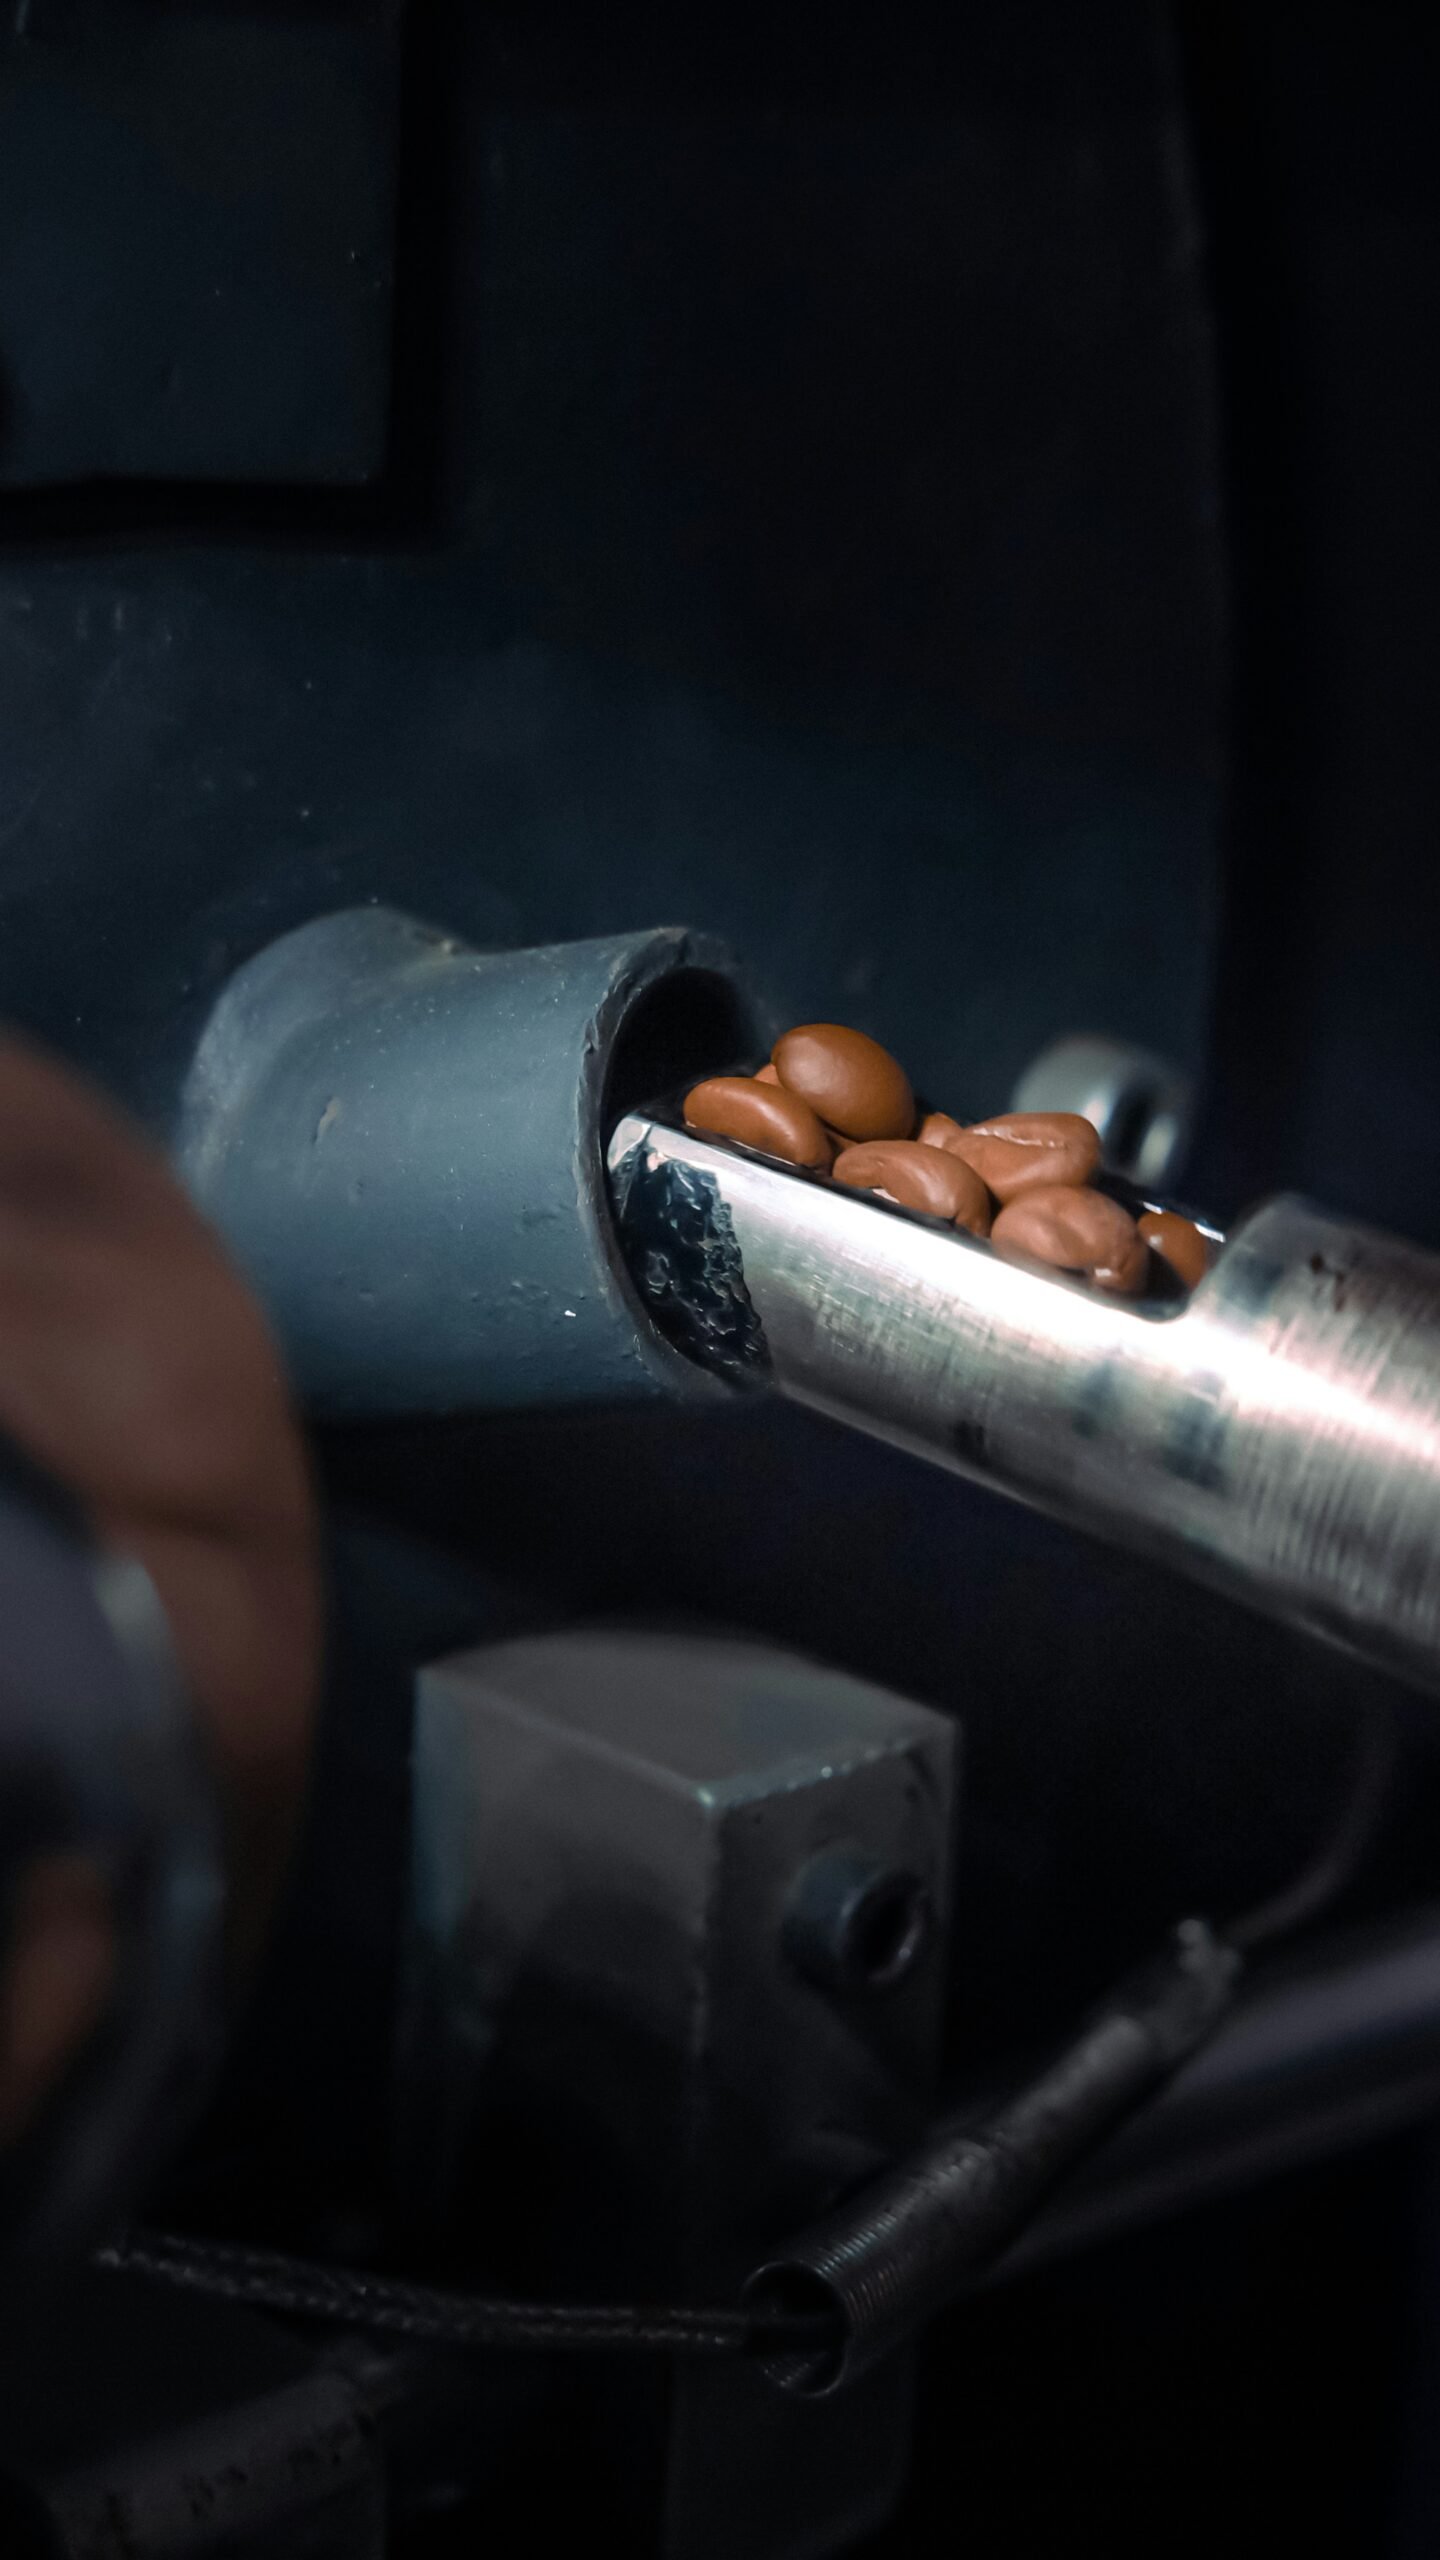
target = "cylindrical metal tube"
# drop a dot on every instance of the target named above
(1339, 2047)
(1277, 1433)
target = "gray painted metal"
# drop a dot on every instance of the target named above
(402, 1140)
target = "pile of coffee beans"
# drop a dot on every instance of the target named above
(835, 1102)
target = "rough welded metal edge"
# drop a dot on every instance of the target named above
(669, 951)
(685, 1262)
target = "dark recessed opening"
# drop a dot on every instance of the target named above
(884, 1932)
(692, 1023)
(799, 2329)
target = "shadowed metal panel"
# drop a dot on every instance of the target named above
(196, 219)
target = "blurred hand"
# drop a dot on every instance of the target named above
(137, 1369)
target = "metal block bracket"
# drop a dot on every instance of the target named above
(674, 1979)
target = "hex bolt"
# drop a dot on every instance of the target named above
(855, 1924)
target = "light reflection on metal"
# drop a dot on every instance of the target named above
(1142, 1105)
(1277, 1433)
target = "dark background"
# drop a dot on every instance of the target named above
(949, 501)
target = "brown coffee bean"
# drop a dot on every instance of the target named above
(762, 1116)
(1029, 1151)
(766, 1075)
(918, 1178)
(937, 1129)
(1178, 1242)
(853, 1084)
(1075, 1230)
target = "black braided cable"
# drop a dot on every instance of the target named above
(303, 2290)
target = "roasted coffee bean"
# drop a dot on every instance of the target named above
(1178, 1242)
(762, 1116)
(1075, 1230)
(918, 1178)
(854, 1085)
(1029, 1151)
(937, 1129)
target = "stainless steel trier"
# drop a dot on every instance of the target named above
(1277, 1433)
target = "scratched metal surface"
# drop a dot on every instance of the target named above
(1278, 1433)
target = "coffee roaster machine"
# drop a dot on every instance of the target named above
(675, 1904)
(855, 1777)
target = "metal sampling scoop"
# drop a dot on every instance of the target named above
(1277, 1433)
